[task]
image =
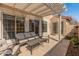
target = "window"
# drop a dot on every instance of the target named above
(62, 27)
(8, 26)
(31, 25)
(20, 27)
(55, 28)
(34, 26)
(44, 26)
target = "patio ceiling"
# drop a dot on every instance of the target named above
(37, 9)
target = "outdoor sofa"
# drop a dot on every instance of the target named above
(31, 39)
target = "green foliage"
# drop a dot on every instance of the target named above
(74, 40)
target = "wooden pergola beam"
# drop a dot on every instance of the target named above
(47, 6)
(41, 10)
(46, 14)
(27, 6)
(38, 7)
(16, 9)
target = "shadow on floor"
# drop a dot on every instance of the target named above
(59, 49)
(53, 39)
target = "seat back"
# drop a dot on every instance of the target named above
(33, 34)
(20, 36)
(27, 35)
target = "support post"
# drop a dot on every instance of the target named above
(1, 25)
(60, 18)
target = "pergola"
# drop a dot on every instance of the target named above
(36, 9)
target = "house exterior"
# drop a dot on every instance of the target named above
(53, 26)
(20, 18)
(14, 19)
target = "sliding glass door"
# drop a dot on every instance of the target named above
(8, 26)
(11, 26)
(34, 26)
(20, 24)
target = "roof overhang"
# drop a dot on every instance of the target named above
(36, 9)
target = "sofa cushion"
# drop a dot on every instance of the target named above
(23, 41)
(27, 35)
(33, 34)
(20, 36)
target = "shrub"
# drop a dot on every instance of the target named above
(74, 40)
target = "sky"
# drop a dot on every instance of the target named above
(72, 10)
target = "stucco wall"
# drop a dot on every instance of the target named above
(51, 19)
(47, 18)
(68, 28)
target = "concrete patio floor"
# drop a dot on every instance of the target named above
(54, 47)
(38, 50)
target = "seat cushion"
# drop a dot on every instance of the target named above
(20, 36)
(23, 41)
(32, 38)
(33, 34)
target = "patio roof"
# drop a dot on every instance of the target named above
(37, 9)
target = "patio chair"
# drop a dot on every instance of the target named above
(44, 38)
(14, 46)
(3, 46)
(11, 48)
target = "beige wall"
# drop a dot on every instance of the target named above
(68, 28)
(47, 18)
(51, 19)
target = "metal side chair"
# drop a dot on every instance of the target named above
(44, 38)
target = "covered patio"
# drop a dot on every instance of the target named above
(25, 12)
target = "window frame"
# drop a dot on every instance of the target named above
(44, 26)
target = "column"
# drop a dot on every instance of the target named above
(40, 27)
(27, 23)
(60, 18)
(1, 26)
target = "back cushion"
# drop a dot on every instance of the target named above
(20, 36)
(27, 35)
(33, 34)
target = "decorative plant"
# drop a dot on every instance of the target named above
(74, 40)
